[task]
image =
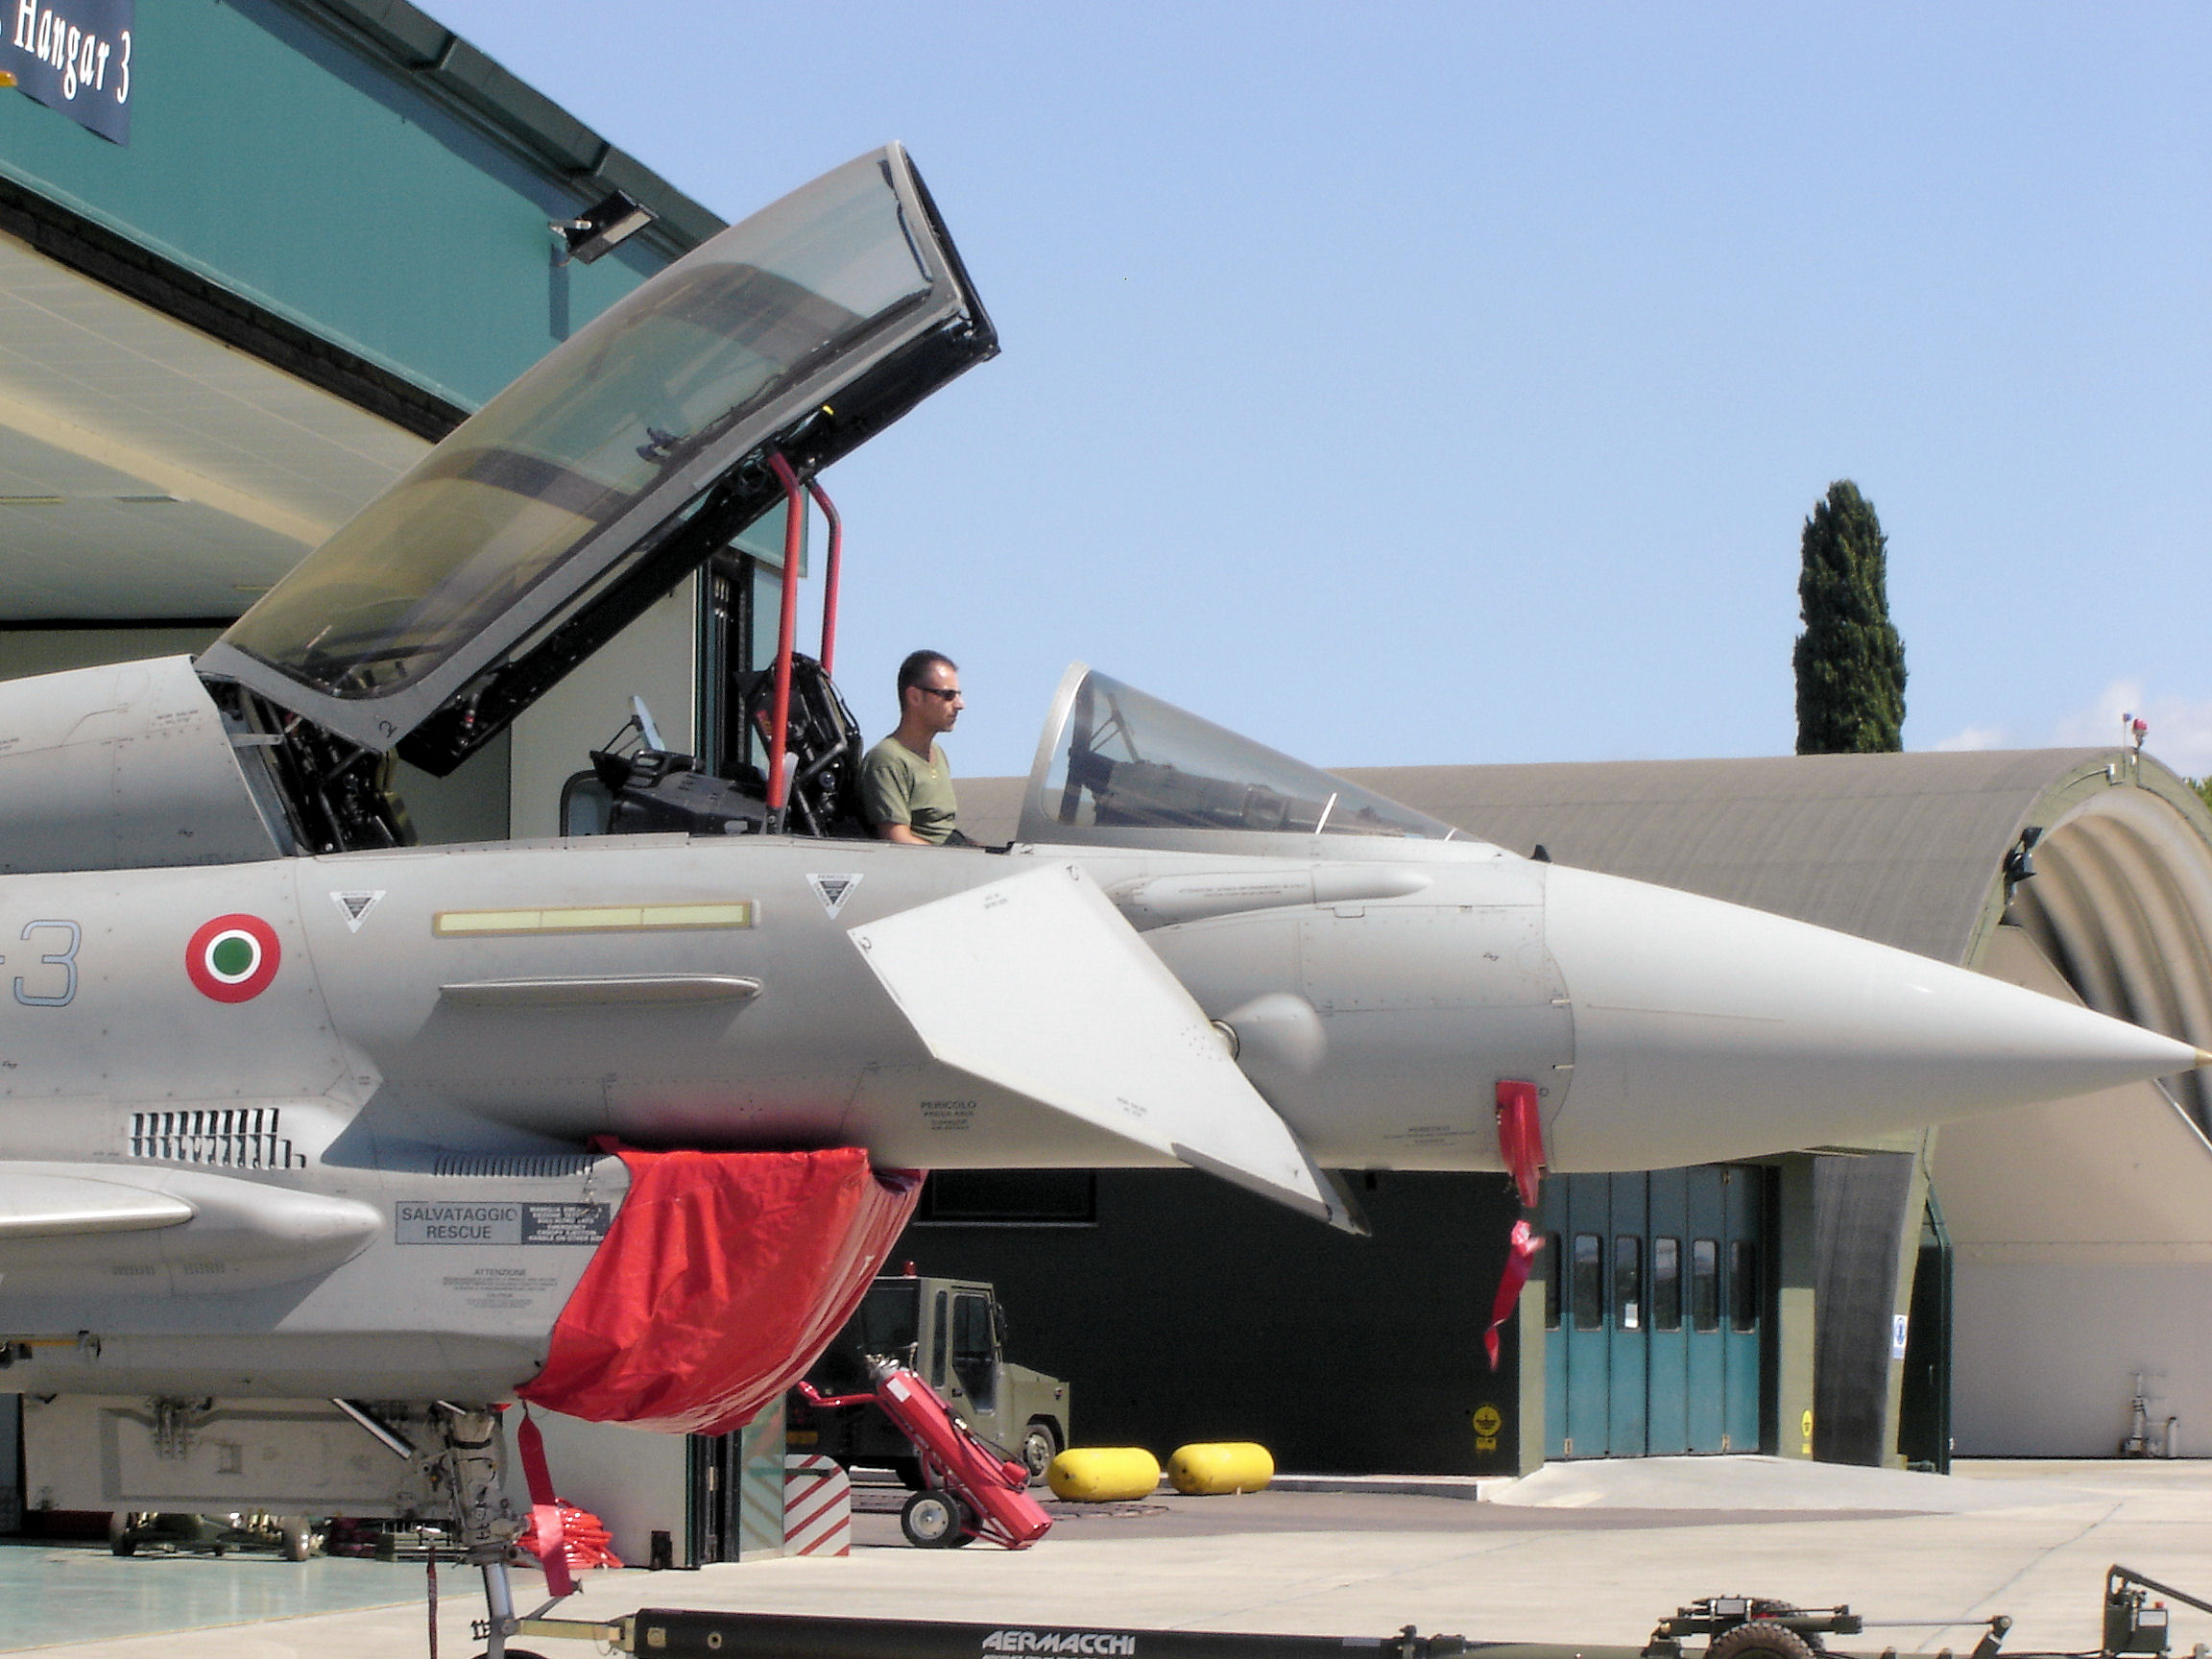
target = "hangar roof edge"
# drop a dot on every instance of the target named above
(419, 48)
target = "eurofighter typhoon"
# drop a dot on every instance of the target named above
(339, 1142)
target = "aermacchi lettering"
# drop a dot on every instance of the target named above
(1100, 1643)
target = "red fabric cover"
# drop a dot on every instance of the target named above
(1521, 1137)
(1520, 1256)
(723, 1278)
(583, 1539)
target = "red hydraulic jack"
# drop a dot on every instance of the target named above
(971, 1489)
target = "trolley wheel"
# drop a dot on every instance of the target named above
(1040, 1445)
(933, 1521)
(1760, 1639)
(294, 1539)
(1764, 1607)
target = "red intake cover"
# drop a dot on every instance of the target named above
(723, 1278)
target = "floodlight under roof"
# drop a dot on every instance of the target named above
(603, 225)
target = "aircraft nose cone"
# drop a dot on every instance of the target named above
(1705, 1030)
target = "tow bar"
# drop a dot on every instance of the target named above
(669, 1633)
(1733, 1626)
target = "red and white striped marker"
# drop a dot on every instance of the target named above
(817, 1507)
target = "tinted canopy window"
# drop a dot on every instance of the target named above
(1117, 757)
(630, 411)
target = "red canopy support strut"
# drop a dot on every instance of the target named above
(780, 709)
(830, 567)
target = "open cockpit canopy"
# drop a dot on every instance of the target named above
(1116, 763)
(555, 515)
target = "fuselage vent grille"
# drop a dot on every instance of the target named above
(515, 1165)
(227, 1138)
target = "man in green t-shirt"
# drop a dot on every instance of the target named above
(905, 783)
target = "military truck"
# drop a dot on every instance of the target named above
(953, 1332)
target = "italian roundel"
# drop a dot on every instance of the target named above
(233, 958)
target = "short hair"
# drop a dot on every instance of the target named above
(919, 663)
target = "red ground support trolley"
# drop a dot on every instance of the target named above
(971, 1489)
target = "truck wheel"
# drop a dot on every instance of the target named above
(932, 1521)
(1759, 1639)
(909, 1473)
(1040, 1445)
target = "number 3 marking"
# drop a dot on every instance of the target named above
(66, 961)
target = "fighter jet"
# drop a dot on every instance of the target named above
(321, 1145)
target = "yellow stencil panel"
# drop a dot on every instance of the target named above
(593, 919)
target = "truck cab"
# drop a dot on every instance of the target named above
(952, 1333)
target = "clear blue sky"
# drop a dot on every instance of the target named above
(1448, 383)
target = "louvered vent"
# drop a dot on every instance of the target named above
(513, 1165)
(228, 1138)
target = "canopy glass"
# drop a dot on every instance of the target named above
(599, 452)
(1115, 760)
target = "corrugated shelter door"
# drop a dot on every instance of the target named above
(1653, 1312)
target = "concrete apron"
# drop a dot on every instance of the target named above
(1585, 1554)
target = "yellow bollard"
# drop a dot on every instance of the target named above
(1220, 1466)
(1103, 1474)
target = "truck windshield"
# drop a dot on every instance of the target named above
(1117, 757)
(887, 1323)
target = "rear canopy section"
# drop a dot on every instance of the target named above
(551, 519)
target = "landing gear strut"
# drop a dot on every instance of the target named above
(464, 1469)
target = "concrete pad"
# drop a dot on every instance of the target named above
(1363, 1564)
(1761, 1483)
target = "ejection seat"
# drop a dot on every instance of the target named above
(635, 786)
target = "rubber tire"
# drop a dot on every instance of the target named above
(1764, 1607)
(909, 1473)
(933, 1521)
(295, 1538)
(1760, 1639)
(1040, 1445)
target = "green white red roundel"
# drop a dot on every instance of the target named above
(233, 958)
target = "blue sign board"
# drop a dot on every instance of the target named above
(73, 56)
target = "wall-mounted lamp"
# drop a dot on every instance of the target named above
(601, 225)
(2020, 860)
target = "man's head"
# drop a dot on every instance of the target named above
(929, 691)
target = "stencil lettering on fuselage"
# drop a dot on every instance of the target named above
(833, 891)
(355, 907)
(457, 1222)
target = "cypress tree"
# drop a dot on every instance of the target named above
(1850, 662)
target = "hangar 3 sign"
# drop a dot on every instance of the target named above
(75, 56)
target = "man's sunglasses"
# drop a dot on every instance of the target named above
(940, 691)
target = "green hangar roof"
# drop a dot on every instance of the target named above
(325, 236)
